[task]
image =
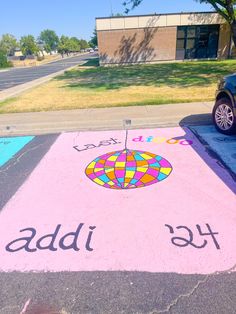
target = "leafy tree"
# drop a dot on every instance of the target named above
(8, 44)
(131, 4)
(94, 39)
(40, 46)
(67, 45)
(117, 14)
(75, 39)
(83, 44)
(50, 40)
(28, 45)
(64, 45)
(226, 8)
(74, 44)
(3, 60)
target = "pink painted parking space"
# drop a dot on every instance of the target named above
(97, 202)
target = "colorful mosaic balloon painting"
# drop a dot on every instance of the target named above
(128, 169)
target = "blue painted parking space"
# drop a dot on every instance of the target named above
(9, 146)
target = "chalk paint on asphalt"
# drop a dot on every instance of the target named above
(60, 220)
(9, 146)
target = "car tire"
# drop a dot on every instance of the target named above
(224, 116)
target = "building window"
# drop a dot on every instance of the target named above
(197, 42)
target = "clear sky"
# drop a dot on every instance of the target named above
(76, 17)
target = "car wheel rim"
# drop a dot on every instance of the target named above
(224, 117)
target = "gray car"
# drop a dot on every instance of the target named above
(224, 111)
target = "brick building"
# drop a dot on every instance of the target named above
(162, 37)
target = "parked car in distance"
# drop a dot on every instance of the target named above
(224, 111)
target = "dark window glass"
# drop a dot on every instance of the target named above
(180, 44)
(181, 33)
(191, 32)
(198, 42)
(190, 43)
(190, 53)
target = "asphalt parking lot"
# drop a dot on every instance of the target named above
(17, 76)
(109, 221)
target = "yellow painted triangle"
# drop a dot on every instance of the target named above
(166, 171)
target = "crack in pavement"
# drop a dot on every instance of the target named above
(18, 159)
(186, 295)
(193, 290)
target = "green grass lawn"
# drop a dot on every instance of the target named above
(91, 86)
(181, 74)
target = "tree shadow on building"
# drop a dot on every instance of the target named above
(134, 48)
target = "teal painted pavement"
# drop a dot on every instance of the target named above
(9, 146)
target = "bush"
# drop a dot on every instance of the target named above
(40, 58)
(3, 61)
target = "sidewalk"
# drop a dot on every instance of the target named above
(105, 118)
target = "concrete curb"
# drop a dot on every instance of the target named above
(65, 58)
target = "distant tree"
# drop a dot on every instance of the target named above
(40, 46)
(226, 8)
(64, 45)
(74, 44)
(75, 39)
(50, 40)
(3, 60)
(94, 39)
(83, 44)
(28, 45)
(8, 44)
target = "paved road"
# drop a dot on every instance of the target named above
(17, 76)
